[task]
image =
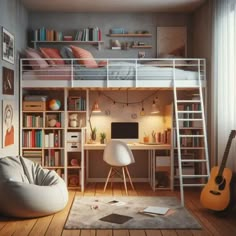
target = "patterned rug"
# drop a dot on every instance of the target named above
(127, 213)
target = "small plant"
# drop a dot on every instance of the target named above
(102, 137)
(93, 134)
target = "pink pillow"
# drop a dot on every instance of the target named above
(82, 53)
(39, 62)
(52, 53)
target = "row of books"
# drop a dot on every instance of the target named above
(164, 137)
(54, 158)
(44, 34)
(52, 139)
(76, 104)
(32, 138)
(89, 34)
(32, 121)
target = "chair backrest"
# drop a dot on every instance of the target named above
(117, 153)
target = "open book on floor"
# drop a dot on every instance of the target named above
(154, 210)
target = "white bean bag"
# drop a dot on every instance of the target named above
(27, 190)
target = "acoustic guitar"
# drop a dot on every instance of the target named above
(216, 193)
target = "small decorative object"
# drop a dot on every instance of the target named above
(54, 104)
(58, 124)
(93, 134)
(74, 162)
(52, 123)
(102, 137)
(141, 54)
(7, 46)
(74, 120)
(146, 138)
(153, 136)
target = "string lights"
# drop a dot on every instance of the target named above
(155, 108)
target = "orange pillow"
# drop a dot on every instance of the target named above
(81, 53)
(52, 53)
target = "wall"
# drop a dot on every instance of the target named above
(70, 22)
(202, 47)
(14, 18)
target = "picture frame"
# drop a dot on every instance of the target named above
(8, 136)
(172, 41)
(7, 81)
(8, 46)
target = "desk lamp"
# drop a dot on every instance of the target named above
(96, 109)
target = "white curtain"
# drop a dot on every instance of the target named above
(224, 76)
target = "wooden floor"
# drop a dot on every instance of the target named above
(53, 225)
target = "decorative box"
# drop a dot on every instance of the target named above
(34, 106)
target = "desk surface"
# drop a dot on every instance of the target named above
(132, 146)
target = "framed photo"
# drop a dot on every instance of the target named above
(171, 41)
(7, 123)
(7, 81)
(7, 46)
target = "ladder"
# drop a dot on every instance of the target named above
(190, 139)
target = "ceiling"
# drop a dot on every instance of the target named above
(113, 5)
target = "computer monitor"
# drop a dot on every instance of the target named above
(125, 131)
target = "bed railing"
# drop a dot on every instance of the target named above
(109, 72)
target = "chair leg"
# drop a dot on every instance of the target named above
(130, 180)
(123, 170)
(108, 177)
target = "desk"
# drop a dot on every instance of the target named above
(151, 148)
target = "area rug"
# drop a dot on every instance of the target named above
(127, 213)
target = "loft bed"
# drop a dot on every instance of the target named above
(114, 73)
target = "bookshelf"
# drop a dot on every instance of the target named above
(49, 138)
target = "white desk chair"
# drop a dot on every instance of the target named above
(118, 155)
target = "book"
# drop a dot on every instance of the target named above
(156, 210)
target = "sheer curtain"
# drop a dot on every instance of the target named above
(224, 76)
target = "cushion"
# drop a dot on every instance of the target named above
(38, 62)
(82, 53)
(66, 53)
(52, 53)
(27, 190)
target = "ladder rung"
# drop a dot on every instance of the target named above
(188, 101)
(195, 176)
(199, 111)
(193, 185)
(191, 135)
(195, 160)
(192, 119)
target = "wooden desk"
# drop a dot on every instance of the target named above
(132, 146)
(151, 148)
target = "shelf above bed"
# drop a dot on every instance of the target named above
(98, 43)
(129, 35)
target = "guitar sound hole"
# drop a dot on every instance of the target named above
(218, 179)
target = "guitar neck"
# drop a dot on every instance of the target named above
(226, 153)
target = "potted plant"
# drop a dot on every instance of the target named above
(102, 137)
(93, 134)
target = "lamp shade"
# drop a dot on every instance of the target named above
(95, 107)
(155, 109)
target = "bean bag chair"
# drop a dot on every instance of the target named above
(27, 190)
